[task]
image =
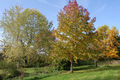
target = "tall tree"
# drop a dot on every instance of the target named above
(27, 33)
(73, 33)
(36, 32)
(95, 50)
(11, 27)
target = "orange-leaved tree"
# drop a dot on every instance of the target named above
(109, 41)
(112, 43)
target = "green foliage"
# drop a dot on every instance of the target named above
(40, 60)
(63, 65)
(12, 70)
(9, 70)
(29, 41)
(3, 64)
(27, 34)
(84, 62)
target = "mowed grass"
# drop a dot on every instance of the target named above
(88, 72)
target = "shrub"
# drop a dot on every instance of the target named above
(3, 64)
(12, 70)
(1, 77)
(84, 62)
(63, 65)
(9, 70)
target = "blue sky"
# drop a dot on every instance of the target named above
(106, 11)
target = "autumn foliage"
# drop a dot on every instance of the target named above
(109, 41)
(76, 37)
(74, 32)
(29, 38)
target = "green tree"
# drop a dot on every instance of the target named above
(37, 33)
(26, 34)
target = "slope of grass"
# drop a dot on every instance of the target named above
(90, 73)
(37, 73)
(87, 72)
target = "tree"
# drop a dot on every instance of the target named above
(118, 47)
(112, 43)
(73, 33)
(96, 48)
(37, 33)
(12, 34)
(27, 34)
(109, 41)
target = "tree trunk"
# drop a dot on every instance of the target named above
(18, 64)
(96, 65)
(71, 67)
(22, 75)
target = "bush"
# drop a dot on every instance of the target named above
(12, 70)
(3, 65)
(82, 62)
(63, 65)
(9, 70)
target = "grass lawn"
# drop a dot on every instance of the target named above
(88, 72)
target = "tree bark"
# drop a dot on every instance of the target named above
(22, 75)
(18, 65)
(71, 67)
(96, 65)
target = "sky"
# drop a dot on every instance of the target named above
(107, 12)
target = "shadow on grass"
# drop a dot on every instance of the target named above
(108, 68)
(92, 68)
(38, 77)
(84, 68)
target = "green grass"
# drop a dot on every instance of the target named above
(38, 73)
(80, 73)
(90, 73)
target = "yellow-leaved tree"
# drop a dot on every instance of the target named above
(73, 33)
(109, 41)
